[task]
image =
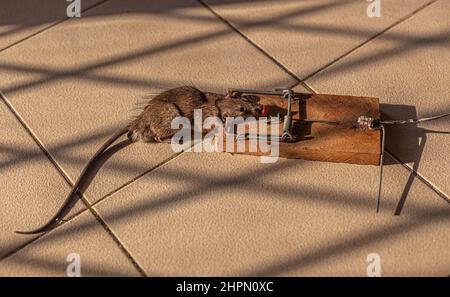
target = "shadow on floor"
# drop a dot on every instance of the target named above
(409, 139)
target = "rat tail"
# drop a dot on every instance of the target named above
(72, 198)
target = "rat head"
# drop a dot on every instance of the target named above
(244, 106)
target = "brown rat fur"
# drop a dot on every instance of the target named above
(154, 125)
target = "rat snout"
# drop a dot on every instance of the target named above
(256, 111)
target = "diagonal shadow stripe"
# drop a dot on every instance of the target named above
(353, 242)
(146, 52)
(247, 180)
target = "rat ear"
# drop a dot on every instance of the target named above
(251, 98)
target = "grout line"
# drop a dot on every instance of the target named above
(89, 207)
(25, 244)
(264, 52)
(21, 246)
(39, 143)
(42, 148)
(299, 80)
(290, 73)
(420, 177)
(48, 27)
(117, 241)
(410, 169)
(311, 88)
(303, 84)
(136, 178)
(118, 189)
(32, 35)
(396, 23)
(98, 216)
(60, 170)
(54, 162)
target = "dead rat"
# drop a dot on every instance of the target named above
(154, 125)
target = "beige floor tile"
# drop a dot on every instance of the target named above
(51, 255)
(30, 188)
(216, 214)
(20, 19)
(77, 82)
(307, 35)
(408, 68)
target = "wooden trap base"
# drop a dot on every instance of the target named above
(346, 142)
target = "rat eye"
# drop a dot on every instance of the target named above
(242, 109)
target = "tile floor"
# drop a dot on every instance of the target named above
(67, 84)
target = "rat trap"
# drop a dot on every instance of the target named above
(318, 127)
(331, 128)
